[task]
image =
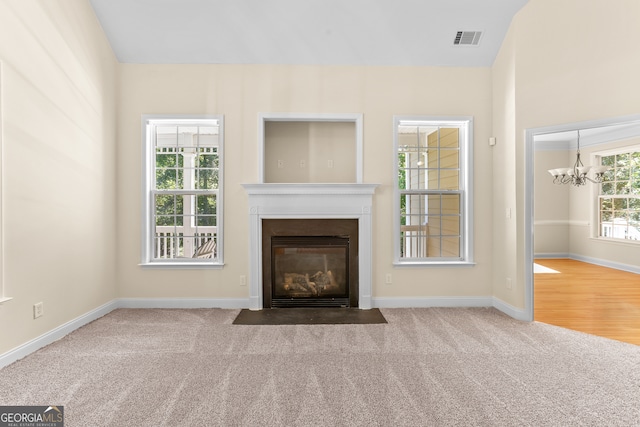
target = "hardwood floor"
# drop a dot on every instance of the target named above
(588, 298)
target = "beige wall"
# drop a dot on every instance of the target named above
(58, 126)
(240, 93)
(551, 204)
(571, 61)
(503, 181)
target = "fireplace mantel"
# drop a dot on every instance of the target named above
(310, 189)
(313, 201)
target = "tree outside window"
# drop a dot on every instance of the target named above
(619, 200)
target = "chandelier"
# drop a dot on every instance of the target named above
(577, 175)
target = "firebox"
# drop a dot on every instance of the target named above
(310, 263)
(311, 270)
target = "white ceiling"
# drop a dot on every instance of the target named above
(317, 32)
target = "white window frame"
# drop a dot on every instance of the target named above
(465, 125)
(148, 183)
(596, 159)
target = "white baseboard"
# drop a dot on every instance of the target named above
(59, 332)
(55, 334)
(551, 255)
(408, 302)
(591, 260)
(605, 263)
(183, 302)
(509, 310)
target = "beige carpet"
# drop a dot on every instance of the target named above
(426, 367)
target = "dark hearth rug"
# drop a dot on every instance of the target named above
(309, 316)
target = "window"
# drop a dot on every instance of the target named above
(183, 176)
(619, 199)
(433, 190)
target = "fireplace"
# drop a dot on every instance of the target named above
(310, 202)
(310, 262)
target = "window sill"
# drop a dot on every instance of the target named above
(434, 264)
(181, 265)
(617, 241)
(5, 299)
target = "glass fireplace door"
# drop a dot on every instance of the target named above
(310, 271)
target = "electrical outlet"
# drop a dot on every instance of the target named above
(508, 283)
(280, 164)
(38, 310)
(303, 164)
(387, 279)
(330, 164)
(243, 280)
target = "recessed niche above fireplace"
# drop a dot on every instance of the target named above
(310, 148)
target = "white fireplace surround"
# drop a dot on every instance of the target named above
(311, 201)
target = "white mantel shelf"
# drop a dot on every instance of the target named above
(310, 189)
(312, 201)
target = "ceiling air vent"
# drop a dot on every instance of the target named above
(467, 38)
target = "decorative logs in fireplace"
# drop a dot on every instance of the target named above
(310, 263)
(309, 270)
